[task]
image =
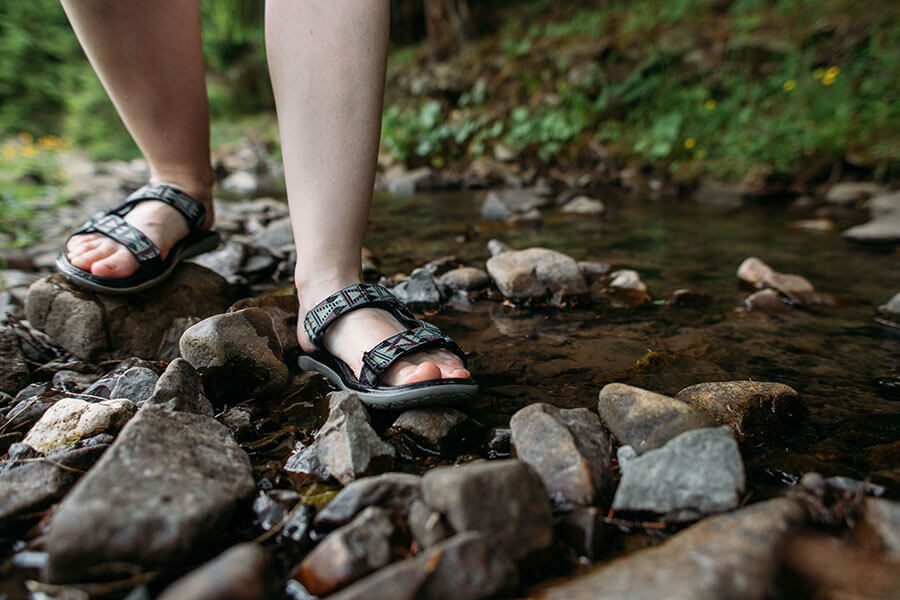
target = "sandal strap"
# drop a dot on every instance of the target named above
(115, 227)
(380, 358)
(192, 211)
(350, 298)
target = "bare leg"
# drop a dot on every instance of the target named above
(327, 61)
(148, 56)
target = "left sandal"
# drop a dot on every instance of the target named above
(419, 336)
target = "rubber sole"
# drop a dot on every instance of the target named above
(440, 392)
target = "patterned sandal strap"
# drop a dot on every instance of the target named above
(380, 358)
(350, 298)
(192, 211)
(115, 227)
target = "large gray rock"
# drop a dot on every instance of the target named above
(95, 327)
(136, 384)
(726, 557)
(13, 369)
(695, 474)
(850, 192)
(427, 526)
(163, 494)
(439, 429)
(420, 291)
(71, 420)
(243, 572)
(464, 567)
(238, 355)
(348, 553)
(466, 279)
(884, 204)
(537, 274)
(880, 231)
(282, 309)
(179, 388)
(32, 483)
(392, 491)
(644, 419)
(568, 449)
(504, 499)
(753, 409)
(346, 445)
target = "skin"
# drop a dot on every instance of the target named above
(327, 62)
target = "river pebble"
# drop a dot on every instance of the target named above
(71, 420)
(438, 429)
(851, 192)
(584, 205)
(537, 275)
(466, 279)
(420, 291)
(137, 384)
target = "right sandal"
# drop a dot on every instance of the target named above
(419, 336)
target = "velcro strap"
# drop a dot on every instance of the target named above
(350, 298)
(193, 212)
(116, 228)
(380, 358)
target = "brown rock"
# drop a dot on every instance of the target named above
(243, 572)
(537, 274)
(13, 369)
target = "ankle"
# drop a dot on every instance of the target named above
(312, 288)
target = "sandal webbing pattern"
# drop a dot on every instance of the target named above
(380, 358)
(193, 211)
(355, 296)
(116, 228)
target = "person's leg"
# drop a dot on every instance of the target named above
(327, 62)
(149, 58)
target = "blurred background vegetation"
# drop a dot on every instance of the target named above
(735, 90)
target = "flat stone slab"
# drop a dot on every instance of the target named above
(536, 275)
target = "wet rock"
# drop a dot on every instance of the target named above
(498, 443)
(348, 553)
(168, 347)
(271, 507)
(282, 309)
(883, 231)
(420, 291)
(795, 287)
(243, 572)
(391, 491)
(689, 299)
(593, 271)
(304, 461)
(13, 368)
(768, 301)
(439, 429)
(752, 409)
(238, 355)
(753, 271)
(726, 557)
(697, 473)
(347, 446)
(506, 205)
(97, 327)
(583, 205)
(70, 420)
(161, 496)
(466, 279)
(627, 279)
(439, 266)
(403, 182)
(137, 384)
(645, 419)
(505, 499)
(29, 484)
(179, 388)
(583, 529)
(464, 567)
(882, 518)
(851, 192)
(884, 204)
(426, 525)
(242, 183)
(238, 420)
(496, 247)
(892, 306)
(298, 525)
(225, 261)
(568, 449)
(537, 274)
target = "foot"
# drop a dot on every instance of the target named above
(161, 223)
(359, 331)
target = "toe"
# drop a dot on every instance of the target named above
(119, 264)
(85, 257)
(405, 373)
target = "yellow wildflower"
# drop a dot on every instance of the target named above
(27, 151)
(789, 85)
(690, 143)
(48, 142)
(833, 71)
(709, 104)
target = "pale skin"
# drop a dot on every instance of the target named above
(327, 62)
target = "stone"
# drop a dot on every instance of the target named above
(884, 204)
(238, 356)
(882, 517)
(727, 557)
(391, 491)
(179, 388)
(441, 265)
(271, 507)
(568, 449)
(881, 231)
(697, 473)
(689, 299)
(768, 301)
(753, 271)
(535, 275)
(426, 525)
(225, 261)
(14, 372)
(752, 409)
(347, 446)
(593, 271)
(71, 420)
(136, 384)
(464, 567)
(242, 183)
(420, 291)
(795, 287)
(243, 572)
(276, 234)
(29, 484)
(282, 309)
(850, 192)
(348, 553)
(438, 429)
(498, 443)
(405, 183)
(97, 327)
(496, 247)
(304, 461)
(646, 420)
(505, 205)
(504, 499)
(892, 306)
(28, 406)
(163, 494)
(584, 205)
(627, 279)
(582, 528)
(466, 279)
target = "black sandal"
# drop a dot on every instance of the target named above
(419, 336)
(152, 269)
